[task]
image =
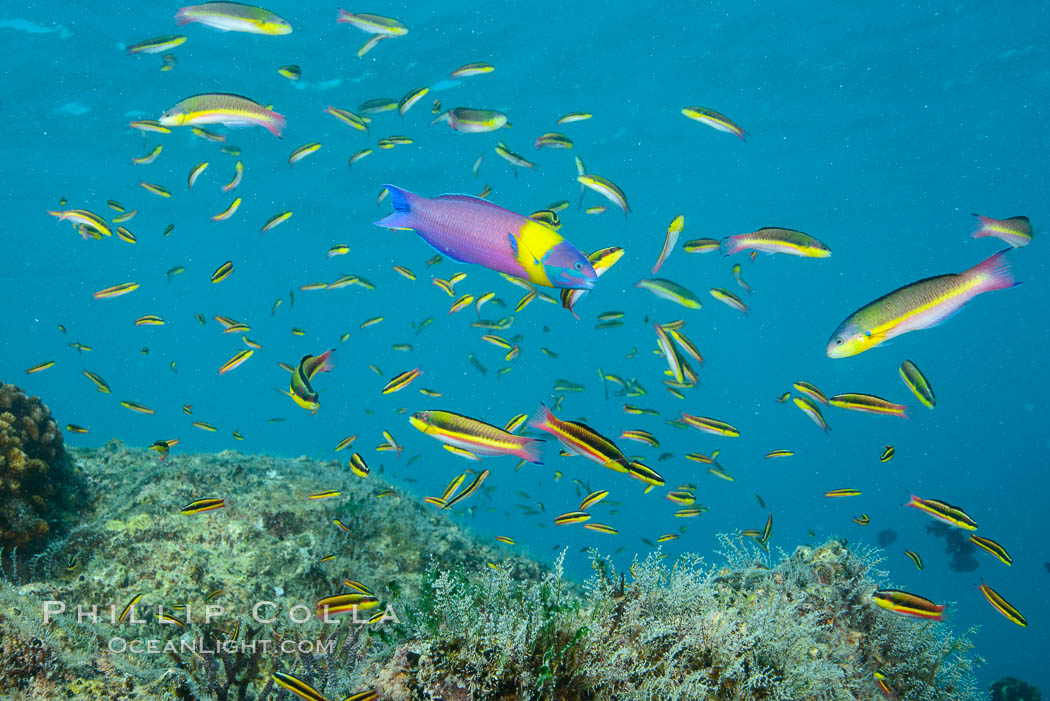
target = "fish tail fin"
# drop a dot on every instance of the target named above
(402, 201)
(183, 17)
(275, 124)
(994, 272)
(983, 221)
(542, 419)
(327, 361)
(529, 450)
(728, 246)
(443, 117)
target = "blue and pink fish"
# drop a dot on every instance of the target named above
(472, 230)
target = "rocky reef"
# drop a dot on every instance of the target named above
(36, 483)
(469, 619)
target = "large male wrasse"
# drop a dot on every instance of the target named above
(920, 305)
(472, 230)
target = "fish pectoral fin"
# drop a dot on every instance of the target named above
(516, 242)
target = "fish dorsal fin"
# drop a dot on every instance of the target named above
(471, 199)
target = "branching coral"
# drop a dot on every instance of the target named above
(33, 469)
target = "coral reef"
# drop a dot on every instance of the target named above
(34, 473)
(805, 629)
(472, 623)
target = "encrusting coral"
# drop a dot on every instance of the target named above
(34, 473)
(474, 621)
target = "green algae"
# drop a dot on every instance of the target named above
(473, 622)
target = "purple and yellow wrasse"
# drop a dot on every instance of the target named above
(223, 108)
(943, 511)
(234, 17)
(919, 305)
(910, 605)
(772, 239)
(300, 389)
(715, 120)
(1002, 605)
(475, 436)
(472, 121)
(581, 439)
(1016, 231)
(470, 230)
(868, 404)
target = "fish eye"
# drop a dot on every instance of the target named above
(838, 341)
(578, 265)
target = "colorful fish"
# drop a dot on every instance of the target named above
(470, 230)
(919, 305)
(476, 436)
(234, 17)
(223, 108)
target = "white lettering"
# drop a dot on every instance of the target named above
(255, 611)
(212, 611)
(306, 611)
(90, 614)
(53, 608)
(117, 645)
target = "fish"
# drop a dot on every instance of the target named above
(607, 189)
(943, 511)
(196, 173)
(40, 367)
(779, 454)
(117, 290)
(473, 69)
(1002, 605)
(600, 528)
(372, 24)
(157, 45)
(410, 99)
(229, 211)
(277, 220)
(223, 108)
(811, 391)
(887, 454)
(199, 506)
(571, 517)
(300, 389)
(84, 217)
(868, 404)
(468, 490)
(989, 545)
(671, 291)
(715, 120)
(236, 361)
(918, 384)
(916, 306)
(291, 72)
(580, 439)
(552, 140)
(712, 426)
(914, 557)
(772, 239)
(515, 159)
(470, 230)
(862, 520)
(100, 384)
(812, 411)
(234, 17)
(478, 437)
(401, 381)
(222, 272)
(702, 246)
(729, 299)
(468, 120)
(302, 152)
(570, 117)
(358, 466)
(842, 493)
(674, 229)
(1015, 231)
(910, 605)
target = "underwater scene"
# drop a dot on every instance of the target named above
(503, 350)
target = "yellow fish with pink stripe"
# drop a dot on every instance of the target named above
(223, 108)
(467, 434)
(920, 305)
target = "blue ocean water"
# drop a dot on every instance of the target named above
(878, 130)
